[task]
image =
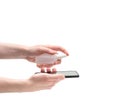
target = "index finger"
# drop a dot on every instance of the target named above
(58, 48)
(56, 77)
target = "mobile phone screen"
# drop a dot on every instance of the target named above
(69, 74)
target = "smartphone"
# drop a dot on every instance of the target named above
(68, 74)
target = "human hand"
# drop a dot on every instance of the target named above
(40, 49)
(43, 81)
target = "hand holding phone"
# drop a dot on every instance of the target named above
(67, 74)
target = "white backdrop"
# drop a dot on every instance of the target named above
(89, 29)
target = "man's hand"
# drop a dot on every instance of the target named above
(43, 81)
(15, 51)
(36, 82)
(40, 49)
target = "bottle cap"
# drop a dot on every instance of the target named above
(60, 55)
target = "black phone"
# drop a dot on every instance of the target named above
(68, 74)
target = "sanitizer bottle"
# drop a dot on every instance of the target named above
(48, 58)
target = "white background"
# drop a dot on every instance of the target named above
(88, 29)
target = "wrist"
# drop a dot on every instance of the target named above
(26, 86)
(20, 86)
(23, 86)
(23, 52)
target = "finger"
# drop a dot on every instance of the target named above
(40, 65)
(51, 71)
(54, 77)
(44, 65)
(52, 84)
(57, 62)
(48, 70)
(51, 77)
(48, 65)
(58, 48)
(54, 70)
(43, 70)
(48, 50)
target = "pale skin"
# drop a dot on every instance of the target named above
(36, 82)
